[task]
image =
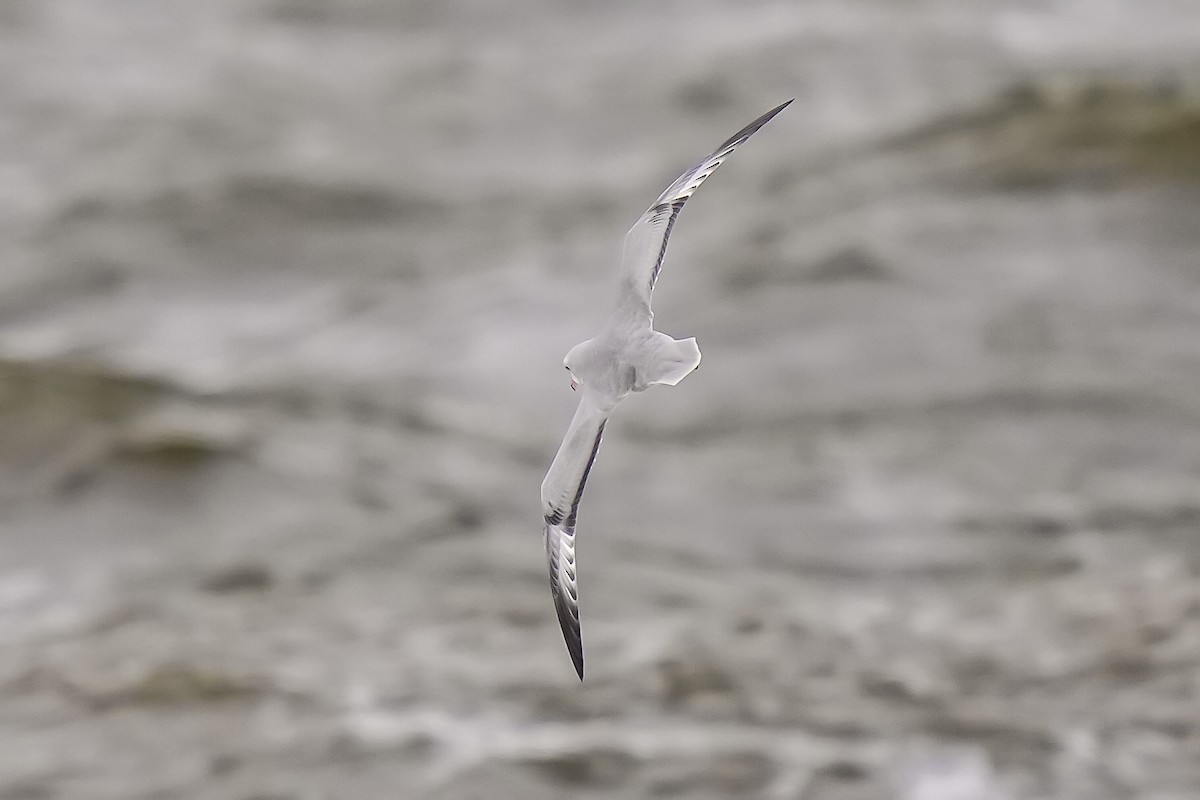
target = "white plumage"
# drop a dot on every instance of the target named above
(628, 356)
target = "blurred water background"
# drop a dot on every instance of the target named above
(284, 290)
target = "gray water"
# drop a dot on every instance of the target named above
(284, 293)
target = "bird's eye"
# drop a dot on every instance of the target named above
(568, 369)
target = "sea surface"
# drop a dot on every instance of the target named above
(285, 286)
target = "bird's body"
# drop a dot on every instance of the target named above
(628, 356)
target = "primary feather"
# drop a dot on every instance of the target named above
(646, 242)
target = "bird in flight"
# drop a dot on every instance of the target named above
(628, 356)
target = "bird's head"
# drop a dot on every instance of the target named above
(575, 357)
(575, 382)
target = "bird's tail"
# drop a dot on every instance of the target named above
(672, 362)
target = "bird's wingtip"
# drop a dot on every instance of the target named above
(575, 648)
(568, 620)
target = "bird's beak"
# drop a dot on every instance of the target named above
(574, 383)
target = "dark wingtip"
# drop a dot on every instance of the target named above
(571, 635)
(569, 622)
(766, 118)
(753, 128)
(577, 660)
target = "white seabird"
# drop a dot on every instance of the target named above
(628, 356)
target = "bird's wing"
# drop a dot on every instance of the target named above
(646, 241)
(561, 491)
